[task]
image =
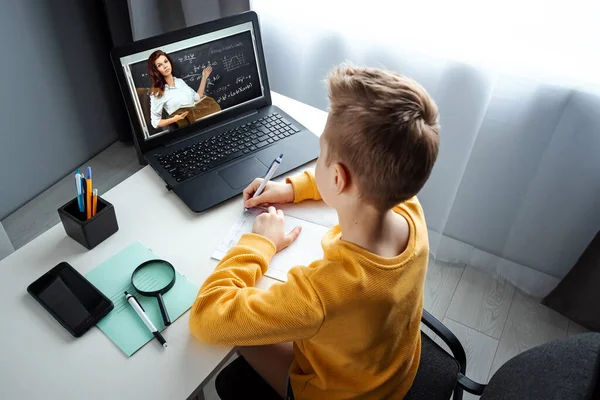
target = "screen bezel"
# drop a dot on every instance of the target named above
(175, 36)
(105, 306)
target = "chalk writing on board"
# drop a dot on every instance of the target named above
(204, 65)
(241, 79)
(234, 62)
(197, 77)
(188, 57)
(225, 48)
(222, 88)
(234, 93)
(211, 81)
(192, 77)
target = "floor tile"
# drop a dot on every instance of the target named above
(575, 328)
(481, 301)
(440, 284)
(529, 324)
(479, 348)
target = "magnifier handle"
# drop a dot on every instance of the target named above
(163, 311)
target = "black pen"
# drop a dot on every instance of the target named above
(137, 307)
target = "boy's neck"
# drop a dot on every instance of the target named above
(384, 233)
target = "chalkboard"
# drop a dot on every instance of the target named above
(234, 78)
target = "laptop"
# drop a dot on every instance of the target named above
(200, 105)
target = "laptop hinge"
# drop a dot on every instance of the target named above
(212, 128)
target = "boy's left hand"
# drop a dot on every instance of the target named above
(270, 225)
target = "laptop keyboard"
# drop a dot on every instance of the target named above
(203, 156)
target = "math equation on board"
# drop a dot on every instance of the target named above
(234, 93)
(188, 58)
(219, 50)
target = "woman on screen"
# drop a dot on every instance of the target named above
(172, 94)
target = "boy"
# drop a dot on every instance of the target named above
(346, 326)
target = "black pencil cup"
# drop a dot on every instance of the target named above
(89, 232)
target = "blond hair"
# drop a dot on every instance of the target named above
(384, 128)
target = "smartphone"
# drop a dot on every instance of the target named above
(70, 298)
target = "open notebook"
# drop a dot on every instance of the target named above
(315, 217)
(191, 106)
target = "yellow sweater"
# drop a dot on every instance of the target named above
(354, 317)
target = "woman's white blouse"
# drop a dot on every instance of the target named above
(172, 99)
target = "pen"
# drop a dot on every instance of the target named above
(269, 175)
(94, 201)
(83, 191)
(88, 193)
(139, 310)
(79, 190)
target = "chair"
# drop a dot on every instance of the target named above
(563, 369)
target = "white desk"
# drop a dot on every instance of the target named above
(39, 359)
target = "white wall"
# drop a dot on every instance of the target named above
(60, 97)
(5, 245)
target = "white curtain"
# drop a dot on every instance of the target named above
(516, 188)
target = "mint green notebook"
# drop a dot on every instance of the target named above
(122, 325)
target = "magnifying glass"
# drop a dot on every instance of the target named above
(153, 279)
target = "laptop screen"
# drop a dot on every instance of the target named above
(181, 83)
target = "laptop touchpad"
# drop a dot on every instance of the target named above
(242, 173)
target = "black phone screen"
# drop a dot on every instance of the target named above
(70, 298)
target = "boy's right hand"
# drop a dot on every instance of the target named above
(273, 193)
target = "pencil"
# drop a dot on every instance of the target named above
(88, 199)
(94, 202)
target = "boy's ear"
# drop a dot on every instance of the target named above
(342, 178)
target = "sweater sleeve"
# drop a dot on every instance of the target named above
(230, 311)
(305, 187)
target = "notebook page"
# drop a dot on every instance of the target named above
(306, 249)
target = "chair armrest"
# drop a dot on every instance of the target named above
(470, 386)
(448, 337)
(458, 352)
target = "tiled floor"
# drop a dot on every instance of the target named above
(492, 319)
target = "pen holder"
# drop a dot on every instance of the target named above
(89, 232)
